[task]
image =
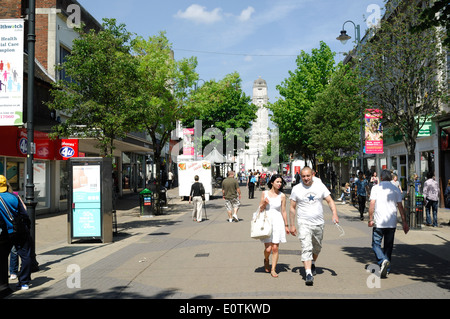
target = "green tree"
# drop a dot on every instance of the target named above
(225, 112)
(100, 81)
(334, 120)
(436, 15)
(299, 93)
(162, 93)
(404, 72)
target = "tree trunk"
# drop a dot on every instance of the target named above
(410, 151)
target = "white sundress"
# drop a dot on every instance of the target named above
(273, 210)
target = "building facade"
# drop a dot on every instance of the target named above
(54, 29)
(432, 153)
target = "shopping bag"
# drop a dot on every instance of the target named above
(261, 227)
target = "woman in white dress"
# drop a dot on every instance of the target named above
(274, 202)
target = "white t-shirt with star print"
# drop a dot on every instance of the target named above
(309, 202)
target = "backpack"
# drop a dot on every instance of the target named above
(253, 180)
(15, 223)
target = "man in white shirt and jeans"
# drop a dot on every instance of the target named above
(306, 204)
(385, 198)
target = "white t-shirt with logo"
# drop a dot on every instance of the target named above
(309, 202)
(386, 196)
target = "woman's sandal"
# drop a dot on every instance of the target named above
(266, 265)
(274, 274)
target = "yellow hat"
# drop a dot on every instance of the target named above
(3, 184)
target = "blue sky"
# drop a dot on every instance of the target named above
(253, 38)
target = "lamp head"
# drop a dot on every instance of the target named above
(344, 37)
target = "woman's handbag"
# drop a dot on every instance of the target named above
(261, 227)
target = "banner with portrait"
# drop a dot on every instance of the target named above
(373, 131)
(188, 141)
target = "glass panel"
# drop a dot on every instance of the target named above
(40, 169)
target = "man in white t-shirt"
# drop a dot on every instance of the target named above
(306, 204)
(385, 198)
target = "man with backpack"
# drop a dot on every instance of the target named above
(15, 230)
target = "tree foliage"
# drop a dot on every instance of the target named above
(100, 83)
(333, 122)
(225, 111)
(299, 93)
(163, 89)
(436, 15)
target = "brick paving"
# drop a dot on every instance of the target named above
(171, 257)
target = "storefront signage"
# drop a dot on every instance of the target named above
(68, 148)
(11, 72)
(15, 142)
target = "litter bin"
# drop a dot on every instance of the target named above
(419, 210)
(146, 202)
(414, 209)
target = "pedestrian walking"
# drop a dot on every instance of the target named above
(431, 193)
(13, 208)
(396, 182)
(232, 196)
(362, 189)
(273, 201)
(385, 199)
(169, 180)
(374, 179)
(447, 195)
(251, 181)
(306, 204)
(197, 195)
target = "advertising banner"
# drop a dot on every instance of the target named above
(188, 141)
(86, 201)
(186, 173)
(373, 131)
(11, 72)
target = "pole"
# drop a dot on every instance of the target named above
(29, 195)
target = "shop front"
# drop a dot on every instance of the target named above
(426, 155)
(50, 168)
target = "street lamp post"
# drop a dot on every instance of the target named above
(29, 195)
(344, 37)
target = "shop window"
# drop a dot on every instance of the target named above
(41, 177)
(426, 164)
(15, 174)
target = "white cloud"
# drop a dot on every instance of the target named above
(199, 14)
(246, 14)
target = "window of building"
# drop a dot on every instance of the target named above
(41, 184)
(426, 164)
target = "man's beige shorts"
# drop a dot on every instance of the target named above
(310, 237)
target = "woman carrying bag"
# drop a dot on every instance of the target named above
(273, 202)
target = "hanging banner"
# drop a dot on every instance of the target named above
(188, 141)
(11, 72)
(374, 132)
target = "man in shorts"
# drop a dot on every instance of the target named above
(232, 196)
(306, 203)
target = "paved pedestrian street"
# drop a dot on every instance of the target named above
(172, 257)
